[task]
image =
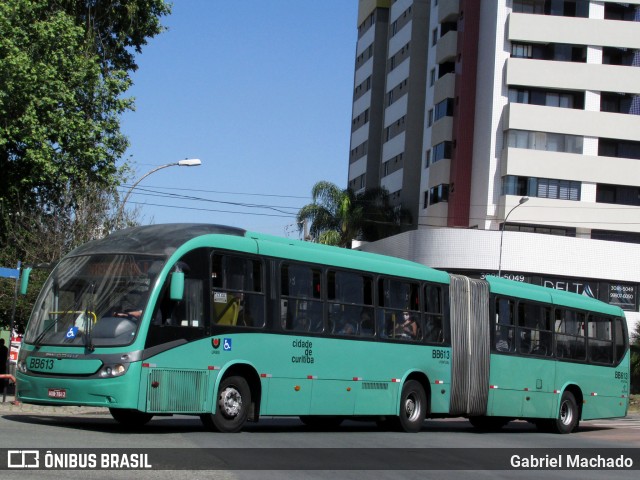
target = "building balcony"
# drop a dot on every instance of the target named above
(524, 27)
(448, 10)
(447, 47)
(444, 88)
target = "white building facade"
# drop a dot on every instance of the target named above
(535, 99)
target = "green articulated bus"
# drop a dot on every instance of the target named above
(230, 325)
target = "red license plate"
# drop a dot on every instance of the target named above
(57, 393)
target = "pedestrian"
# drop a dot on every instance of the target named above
(4, 352)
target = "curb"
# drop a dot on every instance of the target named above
(10, 406)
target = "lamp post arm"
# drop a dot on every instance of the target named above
(126, 197)
(522, 200)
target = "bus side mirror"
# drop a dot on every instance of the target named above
(24, 280)
(177, 286)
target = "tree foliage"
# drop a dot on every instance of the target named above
(65, 69)
(336, 216)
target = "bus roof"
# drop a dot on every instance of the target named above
(153, 239)
(550, 295)
(346, 258)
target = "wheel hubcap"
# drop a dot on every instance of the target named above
(411, 408)
(230, 402)
(566, 414)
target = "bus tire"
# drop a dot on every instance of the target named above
(232, 406)
(413, 407)
(568, 415)
(129, 417)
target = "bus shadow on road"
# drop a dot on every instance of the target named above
(288, 425)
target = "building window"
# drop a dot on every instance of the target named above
(434, 36)
(441, 151)
(432, 77)
(547, 141)
(541, 187)
(439, 194)
(518, 50)
(443, 109)
(548, 98)
(618, 194)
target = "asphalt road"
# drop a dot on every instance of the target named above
(440, 450)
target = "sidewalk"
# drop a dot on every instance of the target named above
(11, 407)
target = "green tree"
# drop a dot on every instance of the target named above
(336, 216)
(65, 68)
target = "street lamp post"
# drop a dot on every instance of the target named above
(520, 202)
(187, 162)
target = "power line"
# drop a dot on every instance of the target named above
(226, 193)
(213, 210)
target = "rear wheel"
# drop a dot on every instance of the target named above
(568, 415)
(413, 406)
(129, 417)
(232, 406)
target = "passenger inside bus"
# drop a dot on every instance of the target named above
(407, 327)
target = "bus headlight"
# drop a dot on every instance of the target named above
(22, 366)
(109, 371)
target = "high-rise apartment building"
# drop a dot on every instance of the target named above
(471, 112)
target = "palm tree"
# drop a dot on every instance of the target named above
(338, 216)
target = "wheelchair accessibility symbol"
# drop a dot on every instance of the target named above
(226, 344)
(72, 332)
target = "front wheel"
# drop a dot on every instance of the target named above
(413, 407)
(129, 417)
(232, 406)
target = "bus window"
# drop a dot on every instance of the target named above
(504, 325)
(600, 339)
(400, 313)
(622, 340)
(238, 296)
(534, 329)
(174, 319)
(301, 305)
(350, 298)
(433, 328)
(570, 335)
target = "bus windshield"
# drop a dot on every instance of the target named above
(93, 300)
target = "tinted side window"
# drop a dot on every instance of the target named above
(300, 301)
(570, 334)
(600, 339)
(350, 306)
(433, 314)
(534, 336)
(237, 291)
(504, 333)
(399, 316)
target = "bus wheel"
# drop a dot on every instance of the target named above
(321, 422)
(568, 415)
(232, 406)
(129, 417)
(413, 407)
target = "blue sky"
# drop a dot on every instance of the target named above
(261, 92)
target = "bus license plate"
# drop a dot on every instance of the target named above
(57, 393)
